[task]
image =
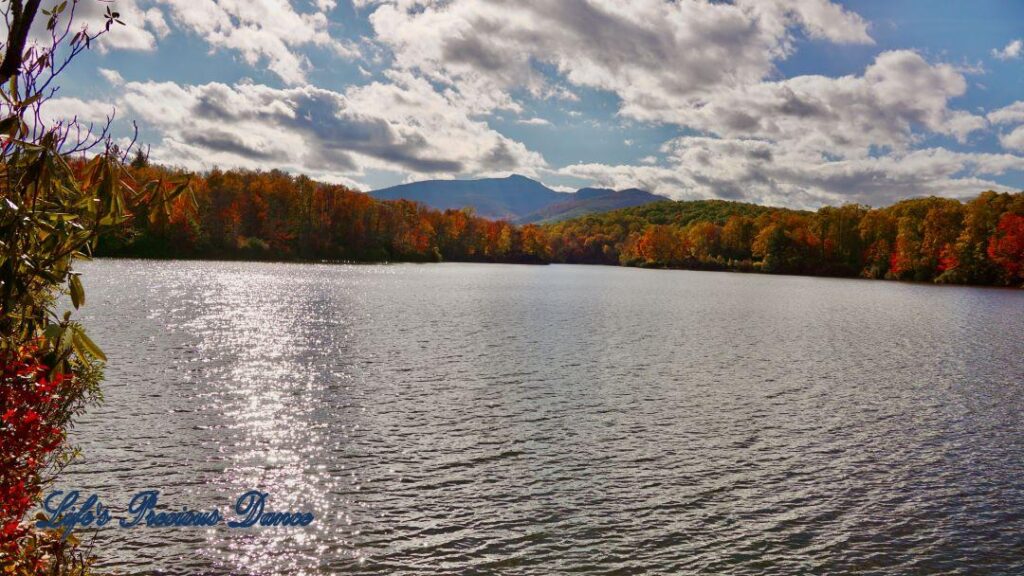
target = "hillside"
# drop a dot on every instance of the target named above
(679, 213)
(590, 201)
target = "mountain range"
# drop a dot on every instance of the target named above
(516, 198)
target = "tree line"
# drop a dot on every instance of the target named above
(244, 214)
(980, 241)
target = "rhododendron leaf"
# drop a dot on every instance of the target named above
(77, 292)
(84, 343)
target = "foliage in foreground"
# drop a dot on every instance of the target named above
(54, 204)
(271, 215)
(49, 217)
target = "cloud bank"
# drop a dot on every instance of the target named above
(438, 75)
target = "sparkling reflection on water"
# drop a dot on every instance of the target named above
(535, 420)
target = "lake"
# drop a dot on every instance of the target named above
(473, 418)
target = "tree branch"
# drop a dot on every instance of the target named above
(21, 23)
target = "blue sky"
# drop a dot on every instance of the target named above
(799, 102)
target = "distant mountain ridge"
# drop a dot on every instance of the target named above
(497, 198)
(516, 198)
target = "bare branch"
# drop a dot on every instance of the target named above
(131, 143)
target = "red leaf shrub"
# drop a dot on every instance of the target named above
(30, 412)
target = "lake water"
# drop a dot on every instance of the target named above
(461, 418)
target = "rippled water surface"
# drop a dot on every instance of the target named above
(537, 420)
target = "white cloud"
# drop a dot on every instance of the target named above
(1011, 51)
(1012, 114)
(85, 111)
(112, 76)
(486, 48)
(402, 125)
(261, 31)
(768, 173)
(155, 21)
(1014, 140)
(139, 32)
(448, 66)
(899, 93)
(722, 57)
(820, 18)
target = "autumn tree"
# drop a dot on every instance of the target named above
(738, 236)
(1006, 247)
(878, 236)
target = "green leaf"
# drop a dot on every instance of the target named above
(77, 292)
(53, 332)
(32, 99)
(82, 342)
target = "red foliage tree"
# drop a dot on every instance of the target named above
(1006, 246)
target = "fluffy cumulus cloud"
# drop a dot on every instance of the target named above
(770, 173)
(1011, 116)
(720, 55)
(1014, 140)
(261, 31)
(85, 112)
(272, 33)
(899, 95)
(1011, 51)
(710, 67)
(146, 25)
(434, 72)
(401, 125)
(810, 140)
(488, 48)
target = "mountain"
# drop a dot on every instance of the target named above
(496, 198)
(515, 198)
(590, 201)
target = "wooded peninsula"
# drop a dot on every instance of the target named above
(241, 214)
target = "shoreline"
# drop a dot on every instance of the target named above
(654, 268)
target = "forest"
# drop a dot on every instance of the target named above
(943, 240)
(241, 214)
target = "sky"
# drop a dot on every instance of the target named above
(797, 103)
